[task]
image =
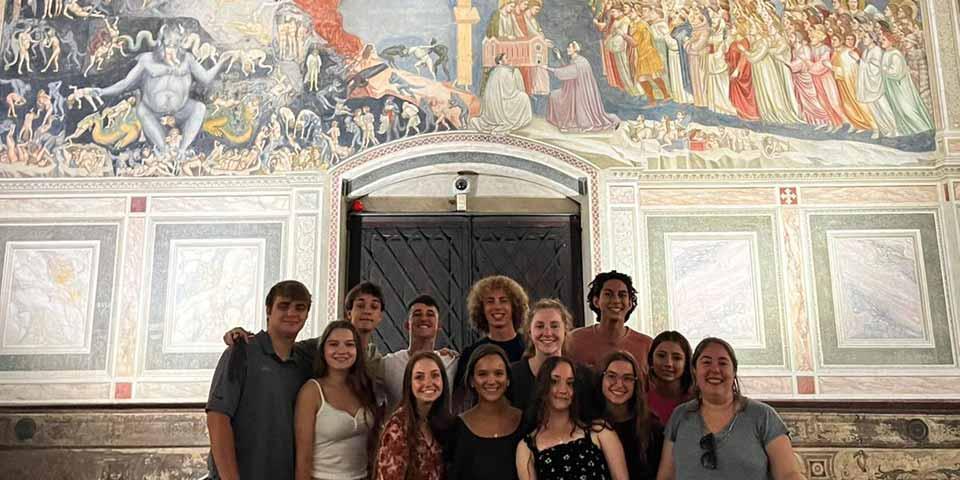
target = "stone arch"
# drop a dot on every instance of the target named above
(548, 164)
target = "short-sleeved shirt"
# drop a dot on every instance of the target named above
(259, 399)
(588, 346)
(740, 447)
(394, 365)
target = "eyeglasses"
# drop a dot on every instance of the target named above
(614, 378)
(709, 458)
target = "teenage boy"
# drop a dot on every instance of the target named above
(423, 325)
(252, 395)
(612, 298)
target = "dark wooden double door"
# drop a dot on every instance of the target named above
(443, 255)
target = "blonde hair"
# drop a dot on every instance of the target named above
(540, 305)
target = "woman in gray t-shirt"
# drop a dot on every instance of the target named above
(722, 435)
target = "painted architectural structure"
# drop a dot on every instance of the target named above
(809, 212)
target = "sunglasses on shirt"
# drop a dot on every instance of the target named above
(709, 458)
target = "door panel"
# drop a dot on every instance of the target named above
(444, 255)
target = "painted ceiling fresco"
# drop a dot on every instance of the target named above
(243, 87)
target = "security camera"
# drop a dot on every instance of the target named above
(462, 184)
(465, 183)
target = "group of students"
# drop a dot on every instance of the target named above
(538, 400)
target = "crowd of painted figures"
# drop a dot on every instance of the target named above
(846, 68)
(532, 399)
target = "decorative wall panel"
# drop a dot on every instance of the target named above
(57, 296)
(713, 287)
(729, 250)
(880, 289)
(48, 295)
(205, 279)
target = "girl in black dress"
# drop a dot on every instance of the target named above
(484, 438)
(561, 446)
(626, 411)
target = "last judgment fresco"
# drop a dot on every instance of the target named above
(96, 88)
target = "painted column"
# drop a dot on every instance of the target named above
(466, 16)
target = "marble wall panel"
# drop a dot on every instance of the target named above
(67, 393)
(62, 207)
(206, 278)
(715, 231)
(879, 288)
(877, 248)
(914, 386)
(713, 287)
(899, 194)
(47, 297)
(219, 204)
(623, 240)
(57, 287)
(661, 197)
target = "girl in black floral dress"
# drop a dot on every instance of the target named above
(561, 446)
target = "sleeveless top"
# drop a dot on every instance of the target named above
(481, 458)
(340, 442)
(580, 459)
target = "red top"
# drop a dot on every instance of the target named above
(661, 406)
(393, 458)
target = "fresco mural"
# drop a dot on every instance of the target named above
(244, 87)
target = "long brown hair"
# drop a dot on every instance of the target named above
(636, 404)
(438, 418)
(537, 412)
(358, 379)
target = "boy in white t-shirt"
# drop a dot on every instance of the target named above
(423, 325)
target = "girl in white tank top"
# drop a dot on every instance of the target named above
(331, 442)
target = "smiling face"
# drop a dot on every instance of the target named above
(669, 362)
(614, 301)
(547, 331)
(714, 372)
(426, 381)
(366, 313)
(497, 309)
(619, 382)
(561, 387)
(340, 349)
(423, 321)
(489, 378)
(286, 317)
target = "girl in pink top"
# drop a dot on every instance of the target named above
(670, 376)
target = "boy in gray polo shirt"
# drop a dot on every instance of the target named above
(254, 389)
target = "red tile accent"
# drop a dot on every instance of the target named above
(138, 204)
(123, 391)
(788, 196)
(806, 385)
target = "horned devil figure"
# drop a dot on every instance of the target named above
(164, 77)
